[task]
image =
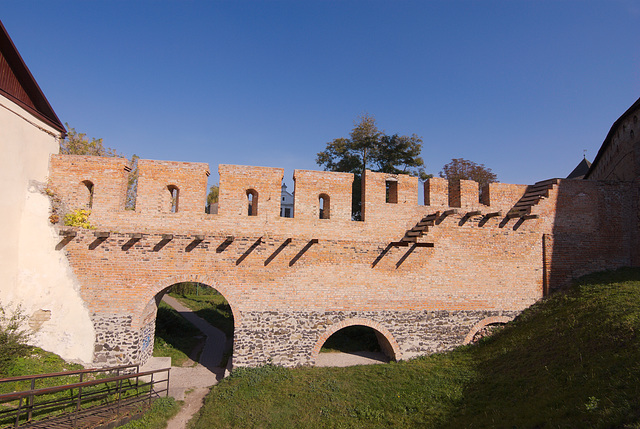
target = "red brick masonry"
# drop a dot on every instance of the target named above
(292, 282)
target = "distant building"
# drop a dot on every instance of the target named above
(581, 169)
(286, 202)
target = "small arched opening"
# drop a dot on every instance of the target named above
(89, 187)
(174, 193)
(486, 328)
(355, 342)
(179, 331)
(324, 203)
(252, 202)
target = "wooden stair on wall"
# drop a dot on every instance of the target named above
(531, 197)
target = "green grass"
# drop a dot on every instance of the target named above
(38, 361)
(175, 336)
(211, 307)
(572, 360)
(161, 410)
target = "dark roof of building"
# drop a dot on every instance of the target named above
(18, 85)
(581, 169)
(609, 138)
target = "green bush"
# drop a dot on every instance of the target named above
(79, 218)
(13, 338)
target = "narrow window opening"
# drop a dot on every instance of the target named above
(89, 186)
(175, 197)
(286, 203)
(252, 202)
(392, 191)
(324, 203)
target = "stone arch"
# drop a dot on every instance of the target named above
(146, 308)
(387, 342)
(195, 278)
(484, 322)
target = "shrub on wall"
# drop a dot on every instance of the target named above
(79, 218)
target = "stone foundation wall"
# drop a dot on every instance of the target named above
(289, 338)
(116, 342)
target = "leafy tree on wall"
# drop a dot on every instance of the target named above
(463, 169)
(369, 148)
(76, 143)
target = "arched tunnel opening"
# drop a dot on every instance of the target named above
(354, 345)
(185, 339)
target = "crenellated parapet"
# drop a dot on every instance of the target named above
(167, 189)
(171, 187)
(249, 191)
(322, 195)
(90, 182)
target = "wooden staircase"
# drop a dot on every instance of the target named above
(418, 230)
(531, 197)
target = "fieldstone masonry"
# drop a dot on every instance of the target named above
(424, 277)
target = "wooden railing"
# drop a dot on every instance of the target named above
(111, 388)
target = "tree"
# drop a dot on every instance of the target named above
(212, 197)
(463, 169)
(369, 148)
(132, 184)
(76, 143)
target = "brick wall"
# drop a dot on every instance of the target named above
(335, 188)
(290, 281)
(70, 175)
(157, 179)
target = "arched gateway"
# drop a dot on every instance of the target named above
(422, 276)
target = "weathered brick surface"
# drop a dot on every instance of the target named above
(236, 180)
(157, 178)
(293, 281)
(310, 185)
(464, 194)
(69, 175)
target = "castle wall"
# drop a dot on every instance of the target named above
(156, 180)
(32, 273)
(310, 185)
(619, 158)
(290, 280)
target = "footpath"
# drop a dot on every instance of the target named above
(192, 384)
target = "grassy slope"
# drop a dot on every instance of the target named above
(571, 361)
(211, 307)
(175, 336)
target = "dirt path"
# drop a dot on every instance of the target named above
(192, 384)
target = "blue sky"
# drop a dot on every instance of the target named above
(520, 86)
